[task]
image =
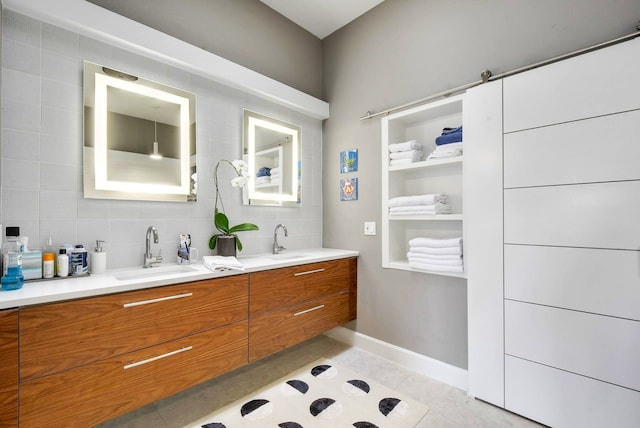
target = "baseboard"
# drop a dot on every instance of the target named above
(435, 369)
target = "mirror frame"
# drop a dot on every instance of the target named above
(96, 181)
(251, 196)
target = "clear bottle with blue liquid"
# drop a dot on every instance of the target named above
(12, 278)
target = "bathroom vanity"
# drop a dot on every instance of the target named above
(87, 360)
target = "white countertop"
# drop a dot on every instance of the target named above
(119, 280)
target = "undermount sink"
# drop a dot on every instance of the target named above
(286, 256)
(156, 271)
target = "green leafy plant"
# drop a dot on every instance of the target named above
(222, 224)
(220, 219)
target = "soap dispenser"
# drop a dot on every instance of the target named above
(98, 259)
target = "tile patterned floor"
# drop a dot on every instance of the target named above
(449, 406)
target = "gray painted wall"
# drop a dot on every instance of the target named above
(246, 32)
(404, 50)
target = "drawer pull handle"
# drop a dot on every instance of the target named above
(315, 308)
(161, 299)
(308, 272)
(159, 357)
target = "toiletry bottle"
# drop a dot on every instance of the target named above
(79, 263)
(50, 249)
(98, 259)
(63, 263)
(12, 244)
(47, 265)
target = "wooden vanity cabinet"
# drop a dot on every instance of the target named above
(9, 368)
(290, 305)
(87, 361)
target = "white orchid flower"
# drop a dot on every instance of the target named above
(239, 165)
(239, 181)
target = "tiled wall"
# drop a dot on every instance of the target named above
(41, 169)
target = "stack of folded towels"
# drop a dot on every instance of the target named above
(419, 205)
(263, 176)
(222, 263)
(405, 153)
(275, 175)
(448, 145)
(438, 255)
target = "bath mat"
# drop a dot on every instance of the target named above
(318, 395)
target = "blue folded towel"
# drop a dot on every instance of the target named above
(446, 131)
(454, 137)
(263, 172)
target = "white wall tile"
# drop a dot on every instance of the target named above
(42, 153)
(20, 144)
(21, 56)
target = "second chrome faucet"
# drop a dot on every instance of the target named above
(277, 247)
(149, 260)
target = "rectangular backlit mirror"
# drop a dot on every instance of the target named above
(272, 153)
(139, 138)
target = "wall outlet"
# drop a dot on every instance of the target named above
(369, 227)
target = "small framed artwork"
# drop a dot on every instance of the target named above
(349, 161)
(349, 189)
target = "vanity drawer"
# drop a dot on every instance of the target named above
(59, 336)
(272, 290)
(115, 386)
(279, 330)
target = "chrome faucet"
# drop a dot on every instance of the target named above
(276, 247)
(149, 260)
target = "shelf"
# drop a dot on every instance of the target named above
(404, 265)
(435, 217)
(427, 164)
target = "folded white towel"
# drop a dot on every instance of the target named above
(274, 171)
(435, 243)
(435, 268)
(414, 155)
(444, 154)
(429, 199)
(451, 146)
(275, 176)
(222, 263)
(449, 251)
(430, 261)
(263, 180)
(396, 162)
(438, 208)
(407, 145)
(450, 257)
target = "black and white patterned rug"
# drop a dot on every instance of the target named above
(321, 394)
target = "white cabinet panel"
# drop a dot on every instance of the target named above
(600, 149)
(565, 400)
(599, 83)
(596, 346)
(590, 280)
(483, 240)
(601, 215)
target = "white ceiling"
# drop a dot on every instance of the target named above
(321, 17)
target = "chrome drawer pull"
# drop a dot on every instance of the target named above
(168, 354)
(315, 308)
(308, 272)
(161, 299)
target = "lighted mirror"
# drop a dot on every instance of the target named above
(272, 153)
(139, 138)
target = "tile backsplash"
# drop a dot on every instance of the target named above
(41, 165)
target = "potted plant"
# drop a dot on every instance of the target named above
(226, 240)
